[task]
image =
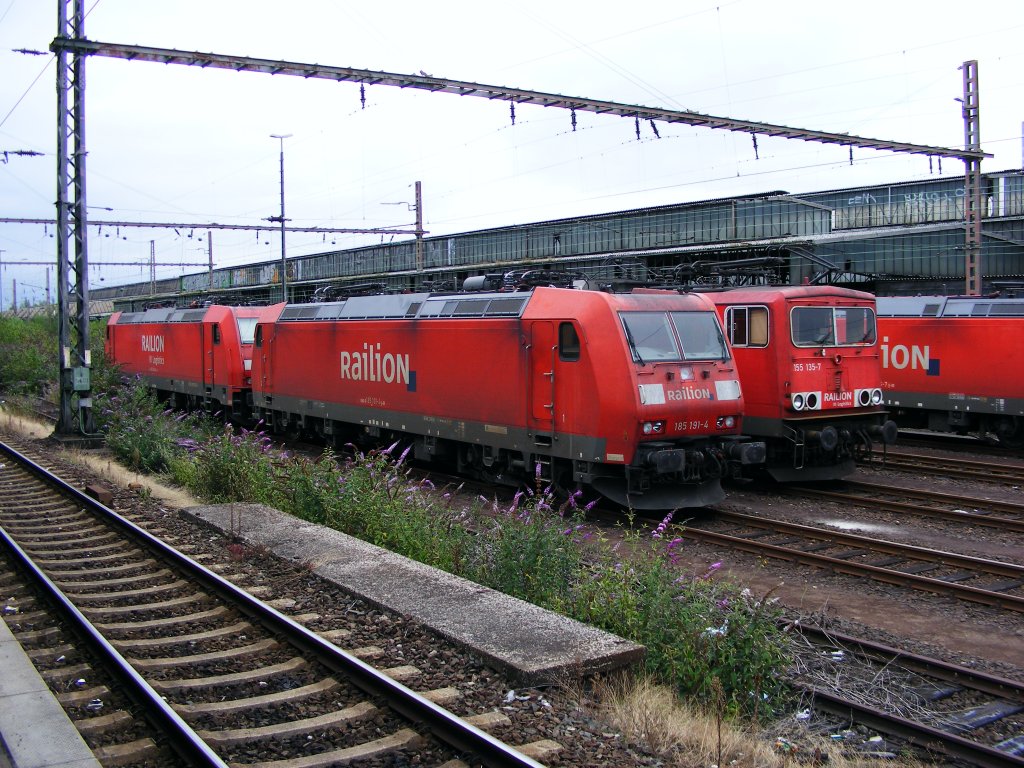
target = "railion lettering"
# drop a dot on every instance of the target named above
(901, 356)
(689, 393)
(370, 364)
(838, 397)
(152, 342)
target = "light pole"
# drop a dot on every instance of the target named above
(284, 262)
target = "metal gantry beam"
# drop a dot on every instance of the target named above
(249, 227)
(492, 92)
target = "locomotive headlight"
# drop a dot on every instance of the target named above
(798, 402)
(726, 422)
(653, 427)
(686, 373)
(876, 397)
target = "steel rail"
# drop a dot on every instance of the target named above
(984, 565)
(451, 729)
(919, 734)
(862, 499)
(974, 679)
(184, 741)
(981, 470)
(885, 575)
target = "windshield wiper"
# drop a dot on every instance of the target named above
(632, 344)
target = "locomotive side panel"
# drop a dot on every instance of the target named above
(375, 371)
(960, 374)
(955, 364)
(171, 357)
(191, 356)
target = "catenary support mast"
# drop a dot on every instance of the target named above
(72, 258)
(972, 181)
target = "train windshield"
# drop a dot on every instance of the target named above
(832, 326)
(674, 336)
(247, 329)
(701, 335)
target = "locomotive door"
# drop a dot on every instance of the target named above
(264, 338)
(543, 353)
(210, 338)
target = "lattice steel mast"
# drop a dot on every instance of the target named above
(72, 240)
(972, 180)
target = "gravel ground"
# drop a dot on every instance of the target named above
(952, 630)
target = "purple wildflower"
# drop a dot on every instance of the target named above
(660, 530)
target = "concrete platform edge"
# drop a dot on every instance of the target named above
(533, 645)
(35, 731)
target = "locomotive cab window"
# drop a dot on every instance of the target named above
(747, 326)
(258, 338)
(650, 336)
(832, 326)
(568, 342)
(701, 335)
(673, 336)
(855, 325)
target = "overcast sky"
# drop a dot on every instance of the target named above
(178, 144)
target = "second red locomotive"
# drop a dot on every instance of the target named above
(633, 395)
(809, 363)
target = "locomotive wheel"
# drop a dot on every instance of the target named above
(1010, 432)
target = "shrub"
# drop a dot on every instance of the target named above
(529, 549)
(28, 355)
(234, 465)
(140, 431)
(697, 628)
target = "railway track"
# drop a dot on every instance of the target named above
(948, 441)
(936, 706)
(967, 578)
(1005, 472)
(991, 513)
(211, 669)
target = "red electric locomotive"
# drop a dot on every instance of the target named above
(955, 364)
(191, 357)
(809, 365)
(633, 395)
